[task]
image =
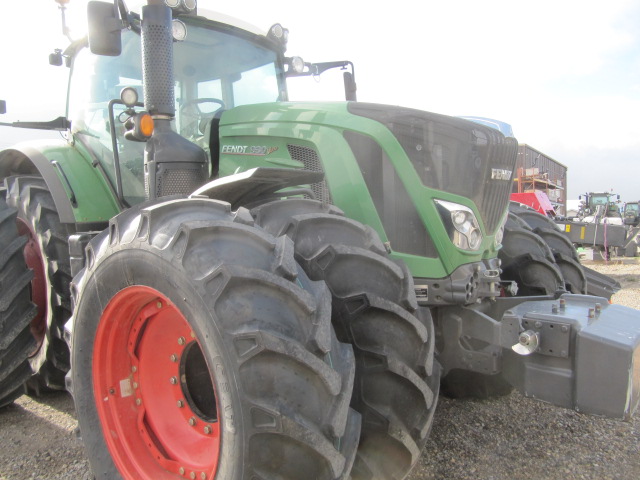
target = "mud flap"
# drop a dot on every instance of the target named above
(600, 285)
(587, 358)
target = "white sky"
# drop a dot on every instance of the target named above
(564, 73)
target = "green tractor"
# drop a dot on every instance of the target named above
(236, 286)
(599, 205)
(631, 214)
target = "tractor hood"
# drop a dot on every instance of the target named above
(392, 168)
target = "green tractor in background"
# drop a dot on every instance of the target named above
(631, 214)
(599, 205)
(258, 288)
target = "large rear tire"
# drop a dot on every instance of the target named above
(16, 309)
(374, 309)
(46, 253)
(202, 350)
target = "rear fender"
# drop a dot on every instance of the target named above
(80, 192)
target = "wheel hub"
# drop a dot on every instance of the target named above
(153, 389)
(35, 261)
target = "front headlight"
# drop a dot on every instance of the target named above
(461, 225)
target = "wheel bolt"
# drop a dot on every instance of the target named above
(192, 421)
(181, 470)
(207, 429)
(138, 401)
(203, 476)
(174, 357)
(181, 341)
(159, 304)
(193, 334)
(180, 403)
(135, 384)
(134, 369)
(192, 475)
(173, 380)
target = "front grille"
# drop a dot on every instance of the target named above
(452, 155)
(309, 157)
(495, 201)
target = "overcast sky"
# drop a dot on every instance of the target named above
(564, 73)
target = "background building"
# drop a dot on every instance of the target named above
(537, 171)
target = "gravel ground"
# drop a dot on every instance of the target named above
(500, 439)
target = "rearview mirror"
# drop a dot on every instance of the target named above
(104, 29)
(350, 88)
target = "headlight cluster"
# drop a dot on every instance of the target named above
(461, 224)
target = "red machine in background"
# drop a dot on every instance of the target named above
(537, 200)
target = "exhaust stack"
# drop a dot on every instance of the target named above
(172, 164)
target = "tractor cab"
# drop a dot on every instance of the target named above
(217, 67)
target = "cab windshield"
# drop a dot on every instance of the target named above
(599, 200)
(214, 69)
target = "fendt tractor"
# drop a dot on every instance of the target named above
(235, 286)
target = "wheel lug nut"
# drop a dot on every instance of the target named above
(203, 476)
(192, 475)
(180, 403)
(181, 470)
(173, 380)
(138, 401)
(207, 429)
(192, 421)
(135, 384)
(193, 334)
(174, 357)
(181, 341)
(159, 304)
(134, 369)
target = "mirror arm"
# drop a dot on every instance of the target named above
(60, 124)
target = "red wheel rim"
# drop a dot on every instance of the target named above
(154, 393)
(35, 261)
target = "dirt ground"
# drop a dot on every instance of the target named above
(500, 439)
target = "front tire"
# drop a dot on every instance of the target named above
(564, 253)
(202, 350)
(374, 309)
(527, 259)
